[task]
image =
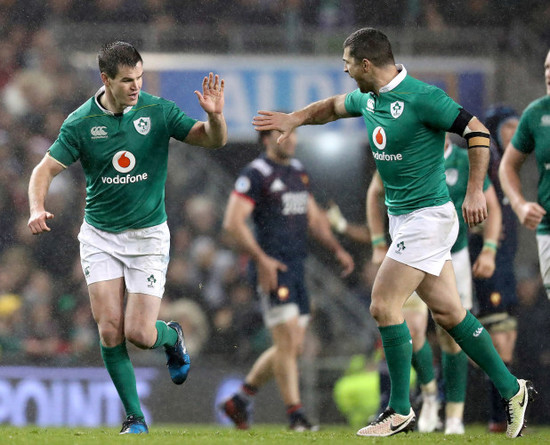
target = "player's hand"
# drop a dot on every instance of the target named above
(484, 266)
(530, 214)
(268, 268)
(37, 222)
(378, 254)
(346, 261)
(337, 221)
(212, 98)
(273, 120)
(474, 208)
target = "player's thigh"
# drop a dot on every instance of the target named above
(441, 295)
(140, 318)
(394, 283)
(286, 335)
(463, 275)
(107, 303)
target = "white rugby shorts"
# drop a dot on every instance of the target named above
(139, 256)
(423, 238)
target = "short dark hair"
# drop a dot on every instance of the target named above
(115, 54)
(263, 134)
(371, 44)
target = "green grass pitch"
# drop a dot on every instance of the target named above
(259, 434)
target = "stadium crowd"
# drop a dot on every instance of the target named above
(44, 309)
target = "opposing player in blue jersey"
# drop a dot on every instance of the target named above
(406, 122)
(121, 138)
(274, 191)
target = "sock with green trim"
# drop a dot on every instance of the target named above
(118, 364)
(397, 343)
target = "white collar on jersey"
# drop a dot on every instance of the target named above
(396, 80)
(99, 93)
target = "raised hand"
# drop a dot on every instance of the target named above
(212, 98)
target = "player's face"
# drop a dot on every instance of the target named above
(284, 151)
(355, 68)
(547, 72)
(125, 87)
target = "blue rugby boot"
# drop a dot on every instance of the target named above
(178, 360)
(134, 425)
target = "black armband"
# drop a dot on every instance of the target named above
(478, 139)
(461, 122)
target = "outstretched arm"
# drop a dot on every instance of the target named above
(39, 184)
(316, 113)
(529, 213)
(213, 132)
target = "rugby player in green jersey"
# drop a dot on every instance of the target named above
(406, 122)
(532, 136)
(121, 138)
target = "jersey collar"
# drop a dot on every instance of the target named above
(396, 80)
(96, 98)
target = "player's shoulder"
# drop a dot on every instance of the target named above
(260, 165)
(296, 164)
(540, 105)
(87, 110)
(420, 88)
(150, 100)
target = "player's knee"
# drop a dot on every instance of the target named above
(138, 336)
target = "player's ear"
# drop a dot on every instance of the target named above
(105, 79)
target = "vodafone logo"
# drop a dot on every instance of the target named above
(379, 138)
(124, 161)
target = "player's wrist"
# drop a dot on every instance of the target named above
(490, 245)
(378, 240)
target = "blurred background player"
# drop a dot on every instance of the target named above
(274, 191)
(121, 137)
(454, 362)
(496, 295)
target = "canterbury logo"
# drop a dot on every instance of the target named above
(478, 332)
(99, 132)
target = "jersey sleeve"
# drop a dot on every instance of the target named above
(523, 137)
(436, 109)
(354, 102)
(65, 149)
(179, 124)
(249, 184)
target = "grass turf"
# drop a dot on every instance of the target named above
(260, 434)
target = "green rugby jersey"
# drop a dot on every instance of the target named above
(406, 126)
(457, 170)
(533, 133)
(124, 158)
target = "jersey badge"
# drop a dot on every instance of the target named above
(283, 293)
(370, 104)
(242, 185)
(397, 108)
(143, 125)
(305, 179)
(545, 120)
(124, 161)
(277, 186)
(99, 132)
(379, 138)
